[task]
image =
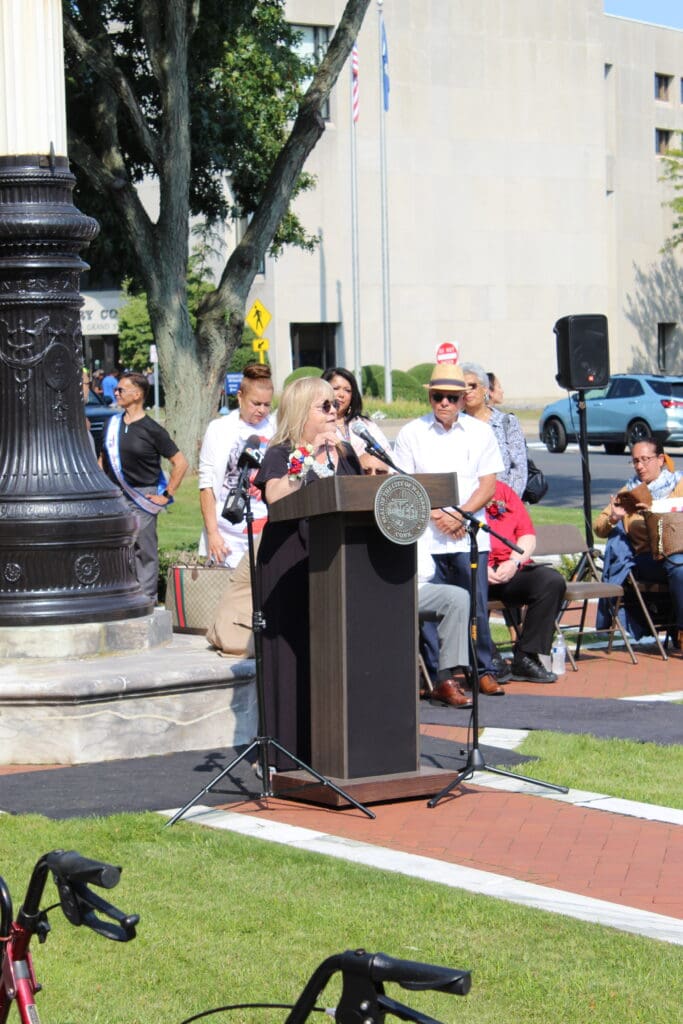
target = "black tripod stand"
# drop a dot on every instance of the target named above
(475, 759)
(262, 743)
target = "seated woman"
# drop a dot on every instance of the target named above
(628, 546)
(520, 583)
(350, 410)
(304, 447)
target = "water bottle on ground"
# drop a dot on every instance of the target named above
(559, 655)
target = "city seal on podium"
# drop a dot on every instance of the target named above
(402, 509)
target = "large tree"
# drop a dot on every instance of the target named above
(673, 174)
(161, 88)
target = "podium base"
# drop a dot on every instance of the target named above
(299, 785)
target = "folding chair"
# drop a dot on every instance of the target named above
(652, 602)
(583, 586)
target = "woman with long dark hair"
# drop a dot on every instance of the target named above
(350, 409)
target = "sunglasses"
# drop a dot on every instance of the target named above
(327, 406)
(438, 396)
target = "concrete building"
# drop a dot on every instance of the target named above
(523, 157)
(523, 144)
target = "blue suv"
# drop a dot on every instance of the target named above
(632, 407)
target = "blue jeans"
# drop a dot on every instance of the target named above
(668, 570)
(455, 569)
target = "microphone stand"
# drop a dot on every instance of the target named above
(262, 743)
(475, 759)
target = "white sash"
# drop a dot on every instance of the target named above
(112, 445)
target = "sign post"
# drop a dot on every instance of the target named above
(258, 319)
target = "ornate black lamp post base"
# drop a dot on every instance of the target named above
(65, 531)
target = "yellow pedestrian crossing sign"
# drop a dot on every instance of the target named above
(258, 318)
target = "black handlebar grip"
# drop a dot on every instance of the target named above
(71, 866)
(411, 974)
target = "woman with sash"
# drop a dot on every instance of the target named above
(131, 457)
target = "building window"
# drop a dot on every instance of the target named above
(662, 141)
(665, 339)
(312, 45)
(662, 87)
(313, 345)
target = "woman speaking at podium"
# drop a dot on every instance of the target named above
(304, 448)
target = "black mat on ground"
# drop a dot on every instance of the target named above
(645, 721)
(158, 783)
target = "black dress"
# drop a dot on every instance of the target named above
(283, 584)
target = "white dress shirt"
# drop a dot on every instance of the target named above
(469, 449)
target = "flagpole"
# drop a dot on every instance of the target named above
(355, 262)
(383, 107)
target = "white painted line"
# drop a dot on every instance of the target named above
(485, 883)
(582, 798)
(676, 695)
(511, 739)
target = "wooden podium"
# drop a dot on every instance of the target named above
(363, 638)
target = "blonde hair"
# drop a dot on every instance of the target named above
(295, 407)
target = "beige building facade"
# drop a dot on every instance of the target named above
(523, 156)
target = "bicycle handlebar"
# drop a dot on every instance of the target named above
(73, 867)
(363, 977)
(71, 872)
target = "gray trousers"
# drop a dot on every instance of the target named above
(450, 606)
(146, 548)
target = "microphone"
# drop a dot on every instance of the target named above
(373, 447)
(251, 455)
(236, 502)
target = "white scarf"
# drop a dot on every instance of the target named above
(112, 446)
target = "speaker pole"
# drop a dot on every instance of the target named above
(585, 468)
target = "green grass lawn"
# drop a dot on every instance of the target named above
(623, 768)
(226, 919)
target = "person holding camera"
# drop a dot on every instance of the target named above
(223, 541)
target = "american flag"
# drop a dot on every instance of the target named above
(355, 89)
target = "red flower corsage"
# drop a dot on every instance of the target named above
(300, 461)
(496, 508)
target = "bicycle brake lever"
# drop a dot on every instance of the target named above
(404, 1012)
(79, 904)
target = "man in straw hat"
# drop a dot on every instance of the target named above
(443, 441)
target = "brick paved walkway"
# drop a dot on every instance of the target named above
(627, 860)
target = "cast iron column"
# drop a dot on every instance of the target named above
(65, 532)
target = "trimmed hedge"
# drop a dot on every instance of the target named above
(303, 371)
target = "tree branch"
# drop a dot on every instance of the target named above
(309, 125)
(104, 65)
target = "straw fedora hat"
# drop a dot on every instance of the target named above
(446, 377)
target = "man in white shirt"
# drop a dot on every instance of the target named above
(443, 441)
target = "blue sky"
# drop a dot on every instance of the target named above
(658, 12)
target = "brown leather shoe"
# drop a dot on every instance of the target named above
(488, 684)
(452, 693)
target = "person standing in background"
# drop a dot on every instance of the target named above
(224, 440)
(444, 441)
(131, 456)
(505, 426)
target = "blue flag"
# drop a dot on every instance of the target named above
(385, 65)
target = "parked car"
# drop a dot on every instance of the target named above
(99, 414)
(630, 408)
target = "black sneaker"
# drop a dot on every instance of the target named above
(526, 668)
(502, 668)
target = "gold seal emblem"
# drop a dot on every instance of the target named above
(402, 509)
